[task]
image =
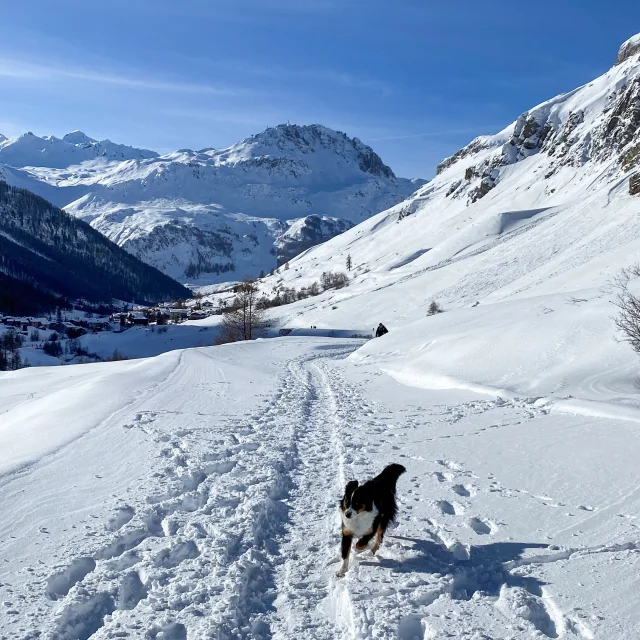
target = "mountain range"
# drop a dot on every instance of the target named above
(211, 215)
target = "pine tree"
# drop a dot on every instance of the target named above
(434, 308)
(261, 276)
(349, 262)
(286, 266)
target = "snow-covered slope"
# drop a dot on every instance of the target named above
(545, 212)
(199, 215)
(194, 495)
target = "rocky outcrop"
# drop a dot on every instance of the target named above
(628, 49)
(473, 147)
(634, 184)
(306, 233)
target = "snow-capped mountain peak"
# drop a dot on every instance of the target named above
(29, 150)
(78, 137)
(203, 214)
(290, 141)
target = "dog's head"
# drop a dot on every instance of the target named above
(356, 499)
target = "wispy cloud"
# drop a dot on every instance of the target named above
(249, 68)
(30, 71)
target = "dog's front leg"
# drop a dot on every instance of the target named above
(347, 539)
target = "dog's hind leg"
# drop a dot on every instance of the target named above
(379, 534)
(347, 539)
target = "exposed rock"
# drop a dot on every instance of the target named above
(473, 147)
(487, 183)
(628, 49)
(623, 122)
(306, 233)
(634, 184)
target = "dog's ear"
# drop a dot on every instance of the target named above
(350, 488)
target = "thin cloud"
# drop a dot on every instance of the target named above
(247, 68)
(22, 70)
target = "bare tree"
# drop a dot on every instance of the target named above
(245, 317)
(628, 319)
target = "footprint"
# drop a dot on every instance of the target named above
(518, 603)
(169, 558)
(131, 591)
(59, 584)
(410, 628)
(446, 507)
(481, 527)
(120, 518)
(441, 476)
(449, 464)
(464, 490)
(80, 620)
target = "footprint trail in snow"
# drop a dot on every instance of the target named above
(234, 531)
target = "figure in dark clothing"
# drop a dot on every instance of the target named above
(381, 330)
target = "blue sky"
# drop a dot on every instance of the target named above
(415, 79)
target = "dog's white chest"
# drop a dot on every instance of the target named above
(359, 524)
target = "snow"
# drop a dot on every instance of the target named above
(209, 207)
(54, 153)
(195, 495)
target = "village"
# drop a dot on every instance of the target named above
(68, 335)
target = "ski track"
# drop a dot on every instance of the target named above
(239, 537)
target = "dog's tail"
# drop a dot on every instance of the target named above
(390, 475)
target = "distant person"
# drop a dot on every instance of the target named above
(381, 330)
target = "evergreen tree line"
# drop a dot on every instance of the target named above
(10, 343)
(59, 257)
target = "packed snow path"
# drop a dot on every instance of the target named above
(203, 505)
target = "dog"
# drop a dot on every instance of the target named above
(366, 511)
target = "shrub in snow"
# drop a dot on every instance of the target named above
(434, 308)
(52, 348)
(628, 303)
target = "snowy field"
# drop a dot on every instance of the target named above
(194, 495)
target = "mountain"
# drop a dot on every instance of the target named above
(55, 153)
(517, 238)
(47, 256)
(212, 215)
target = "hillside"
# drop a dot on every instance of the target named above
(212, 215)
(517, 236)
(47, 256)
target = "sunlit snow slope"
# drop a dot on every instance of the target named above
(516, 237)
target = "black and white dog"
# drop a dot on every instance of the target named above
(366, 511)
